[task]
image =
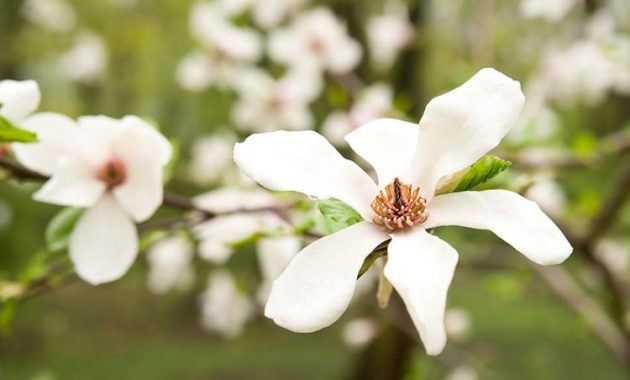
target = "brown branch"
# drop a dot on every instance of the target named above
(20, 172)
(561, 282)
(611, 207)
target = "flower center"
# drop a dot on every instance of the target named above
(113, 173)
(399, 206)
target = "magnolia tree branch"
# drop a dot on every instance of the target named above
(563, 284)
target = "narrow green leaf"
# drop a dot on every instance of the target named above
(371, 259)
(337, 215)
(10, 133)
(60, 227)
(478, 173)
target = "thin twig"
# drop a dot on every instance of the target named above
(561, 282)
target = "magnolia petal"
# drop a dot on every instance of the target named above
(104, 243)
(304, 161)
(386, 144)
(18, 99)
(145, 152)
(57, 136)
(420, 266)
(73, 184)
(317, 286)
(513, 218)
(459, 127)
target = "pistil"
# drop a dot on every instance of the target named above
(399, 206)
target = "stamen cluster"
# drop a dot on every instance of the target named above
(113, 173)
(399, 206)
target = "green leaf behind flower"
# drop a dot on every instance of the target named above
(10, 133)
(337, 215)
(478, 173)
(60, 227)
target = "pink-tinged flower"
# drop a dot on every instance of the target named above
(456, 130)
(315, 37)
(111, 167)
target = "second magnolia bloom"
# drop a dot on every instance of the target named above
(409, 159)
(111, 167)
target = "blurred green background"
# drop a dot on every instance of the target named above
(519, 328)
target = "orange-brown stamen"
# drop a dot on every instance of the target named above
(113, 173)
(399, 206)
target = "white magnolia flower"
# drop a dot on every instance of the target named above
(170, 265)
(550, 10)
(86, 60)
(388, 35)
(224, 309)
(266, 104)
(211, 158)
(18, 99)
(217, 234)
(373, 102)
(54, 15)
(315, 37)
(227, 48)
(456, 130)
(111, 167)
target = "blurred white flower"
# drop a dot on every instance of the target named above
(54, 15)
(316, 37)
(463, 373)
(615, 253)
(170, 265)
(217, 234)
(373, 102)
(266, 104)
(359, 332)
(456, 129)
(226, 49)
(111, 167)
(86, 60)
(388, 35)
(211, 158)
(458, 323)
(548, 194)
(274, 254)
(18, 99)
(538, 121)
(224, 309)
(550, 10)
(586, 71)
(233, 7)
(269, 13)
